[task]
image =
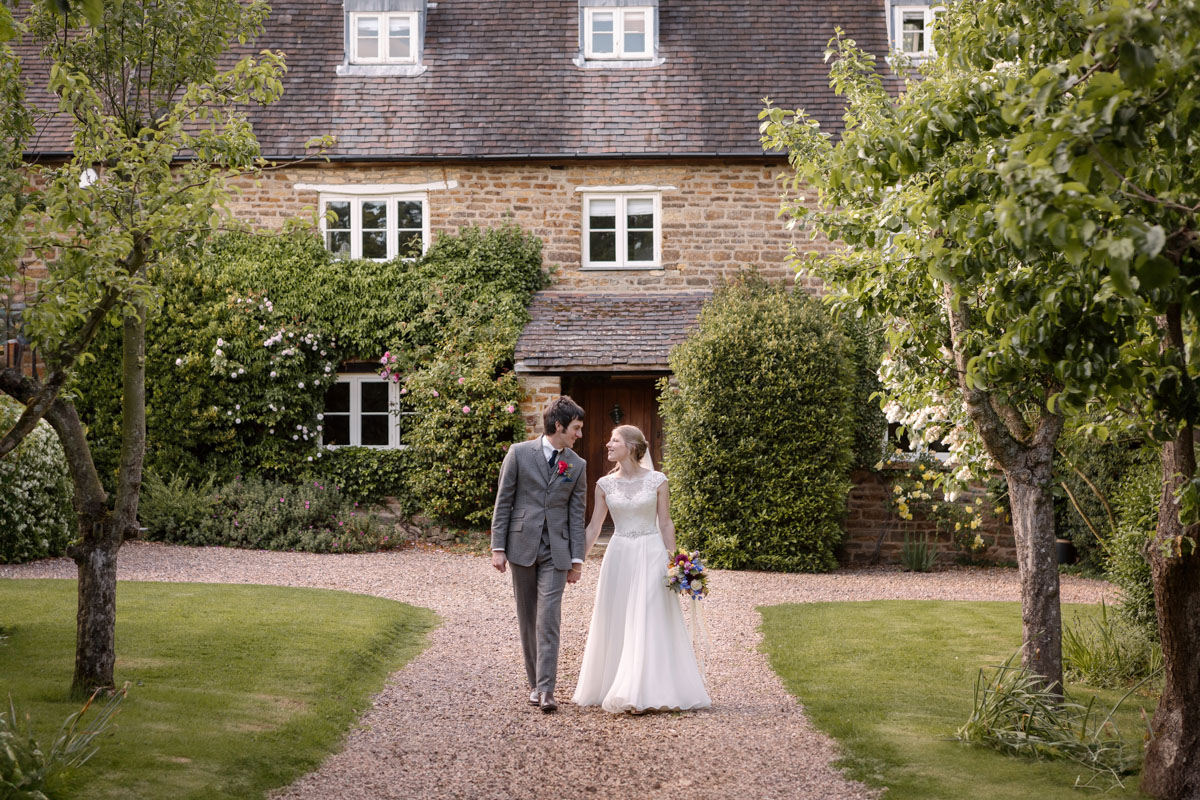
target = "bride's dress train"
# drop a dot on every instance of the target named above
(638, 655)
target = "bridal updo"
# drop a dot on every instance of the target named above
(635, 440)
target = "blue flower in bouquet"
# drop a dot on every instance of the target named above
(685, 574)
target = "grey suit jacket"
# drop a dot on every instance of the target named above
(529, 496)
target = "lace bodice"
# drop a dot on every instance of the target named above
(633, 503)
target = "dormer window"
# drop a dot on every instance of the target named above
(383, 37)
(626, 33)
(618, 34)
(910, 27)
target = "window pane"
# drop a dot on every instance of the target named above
(374, 214)
(602, 215)
(914, 33)
(337, 399)
(399, 38)
(641, 245)
(374, 244)
(337, 429)
(639, 213)
(411, 244)
(368, 37)
(374, 429)
(338, 242)
(602, 245)
(602, 32)
(408, 214)
(374, 396)
(635, 32)
(340, 209)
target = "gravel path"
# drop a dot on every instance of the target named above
(454, 723)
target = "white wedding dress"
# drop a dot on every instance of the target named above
(638, 655)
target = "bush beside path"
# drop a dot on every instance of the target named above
(453, 723)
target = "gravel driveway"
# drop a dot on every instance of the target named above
(454, 722)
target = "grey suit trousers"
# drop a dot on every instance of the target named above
(538, 589)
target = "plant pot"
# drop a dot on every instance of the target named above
(1065, 550)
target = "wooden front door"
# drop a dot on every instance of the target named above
(634, 401)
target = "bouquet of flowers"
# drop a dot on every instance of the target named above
(686, 575)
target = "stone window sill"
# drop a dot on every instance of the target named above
(382, 70)
(616, 63)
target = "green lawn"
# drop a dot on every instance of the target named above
(891, 680)
(236, 689)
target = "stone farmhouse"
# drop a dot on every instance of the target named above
(623, 133)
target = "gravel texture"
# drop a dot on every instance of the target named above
(454, 723)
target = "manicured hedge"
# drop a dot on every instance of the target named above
(759, 427)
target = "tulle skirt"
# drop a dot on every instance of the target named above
(638, 656)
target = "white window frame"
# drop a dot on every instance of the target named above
(393, 235)
(356, 380)
(385, 57)
(928, 15)
(619, 13)
(622, 199)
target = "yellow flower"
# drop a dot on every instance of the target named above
(998, 510)
(958, 526)
(978, 543)
(974, 524)
(898, 489)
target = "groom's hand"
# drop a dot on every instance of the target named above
(499, 560)
(575, 573)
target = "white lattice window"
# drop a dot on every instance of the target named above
(622, 231)
(619, 32)
(378, 228)
(911, 25)
(363, 411)
(383, 37)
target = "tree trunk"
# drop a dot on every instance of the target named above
(1172, 767)
(96, 557)
(1032, 503)
(1027, 457)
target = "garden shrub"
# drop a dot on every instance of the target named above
(864, 349)
(286, 314)
(1105, 463)
(758, 428)
(1135, 503)
(37, 519)
(255, 513)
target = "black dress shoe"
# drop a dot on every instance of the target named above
(546, 703)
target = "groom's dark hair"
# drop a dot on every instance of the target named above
(562, 411)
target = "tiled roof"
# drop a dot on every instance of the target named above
(617, 332)
(501, 81)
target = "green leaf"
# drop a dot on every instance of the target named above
(1155, 273)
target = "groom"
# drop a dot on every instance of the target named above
(537, 526)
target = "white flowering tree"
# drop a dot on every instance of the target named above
(98, 221)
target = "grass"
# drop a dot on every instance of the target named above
(235, 689)
(891, 681)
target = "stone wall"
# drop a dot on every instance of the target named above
(871, 517)
(540, 390)
(718, 218)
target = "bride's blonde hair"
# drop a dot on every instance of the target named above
(635, 440)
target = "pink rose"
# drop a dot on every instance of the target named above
(510, 408)
(435, 394)
(466, 409)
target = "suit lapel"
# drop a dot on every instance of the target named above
(546, 473)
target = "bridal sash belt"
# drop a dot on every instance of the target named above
(635, 534)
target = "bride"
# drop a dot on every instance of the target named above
(638, 655)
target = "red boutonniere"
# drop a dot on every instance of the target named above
(564, 470)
